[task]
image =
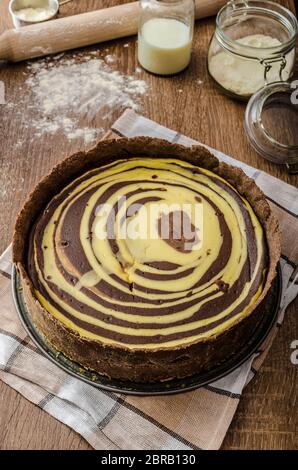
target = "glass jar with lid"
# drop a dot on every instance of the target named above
(165, 35)
(253, 45)
(251, 57)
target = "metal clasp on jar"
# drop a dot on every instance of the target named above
(267, 63)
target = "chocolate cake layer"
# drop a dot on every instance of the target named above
(109, 258)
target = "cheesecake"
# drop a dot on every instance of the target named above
(146, 261)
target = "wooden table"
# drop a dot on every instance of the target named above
(267, 416)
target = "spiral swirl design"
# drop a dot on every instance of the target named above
(147, 293)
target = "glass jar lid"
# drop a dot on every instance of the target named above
(271, 123)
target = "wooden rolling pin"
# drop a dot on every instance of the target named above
(81, 30)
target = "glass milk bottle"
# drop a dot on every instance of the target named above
(165, 35)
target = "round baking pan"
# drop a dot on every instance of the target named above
(159, 388)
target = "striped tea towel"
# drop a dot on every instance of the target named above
(193, 420)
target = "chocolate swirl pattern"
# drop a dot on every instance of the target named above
(147, 293)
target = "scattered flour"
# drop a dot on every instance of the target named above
(73, 91)
(62, 95)
(109, 59)
(9, 182)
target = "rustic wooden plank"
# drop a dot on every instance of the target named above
(267, 415)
